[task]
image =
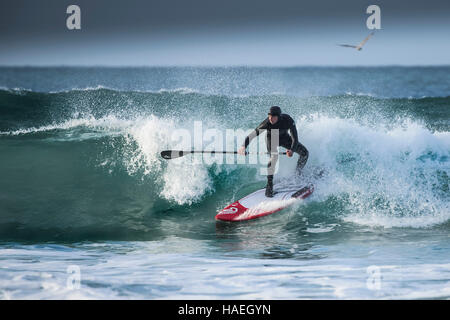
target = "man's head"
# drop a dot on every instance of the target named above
(274, 113)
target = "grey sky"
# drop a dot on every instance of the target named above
(232, 32)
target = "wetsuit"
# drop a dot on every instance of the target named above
(289, 141)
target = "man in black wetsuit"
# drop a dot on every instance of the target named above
(277, 125)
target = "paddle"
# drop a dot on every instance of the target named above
(172, 154)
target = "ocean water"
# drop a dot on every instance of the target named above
(89, 209)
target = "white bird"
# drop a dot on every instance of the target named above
(359, 46)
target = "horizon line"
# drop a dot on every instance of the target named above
(217, 66)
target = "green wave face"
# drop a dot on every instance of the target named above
(85, 165)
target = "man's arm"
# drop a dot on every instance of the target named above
(294, 135)
(262, 126)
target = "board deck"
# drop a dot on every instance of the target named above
(256, 204)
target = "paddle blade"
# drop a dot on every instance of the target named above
(172, 154)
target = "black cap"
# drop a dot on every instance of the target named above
(274, 111)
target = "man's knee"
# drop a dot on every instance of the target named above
(306, 153)
(303, 156)
(302, 151)
(271, 166)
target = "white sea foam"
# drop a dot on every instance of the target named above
(388, 177)
(181, 268)
(182, 90)
(108, 123)
(183, 181)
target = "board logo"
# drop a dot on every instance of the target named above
(230, 210)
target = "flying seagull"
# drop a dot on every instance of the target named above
(359, 46)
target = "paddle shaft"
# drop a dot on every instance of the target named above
(231, 152)
(171, 154)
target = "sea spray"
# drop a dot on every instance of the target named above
(386, 177)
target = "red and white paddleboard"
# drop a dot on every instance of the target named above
(257, 205)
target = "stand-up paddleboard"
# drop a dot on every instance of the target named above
(257, 205)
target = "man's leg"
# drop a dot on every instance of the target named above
(301, 151)
(303, 157)
(270, 172)
(271, 144)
